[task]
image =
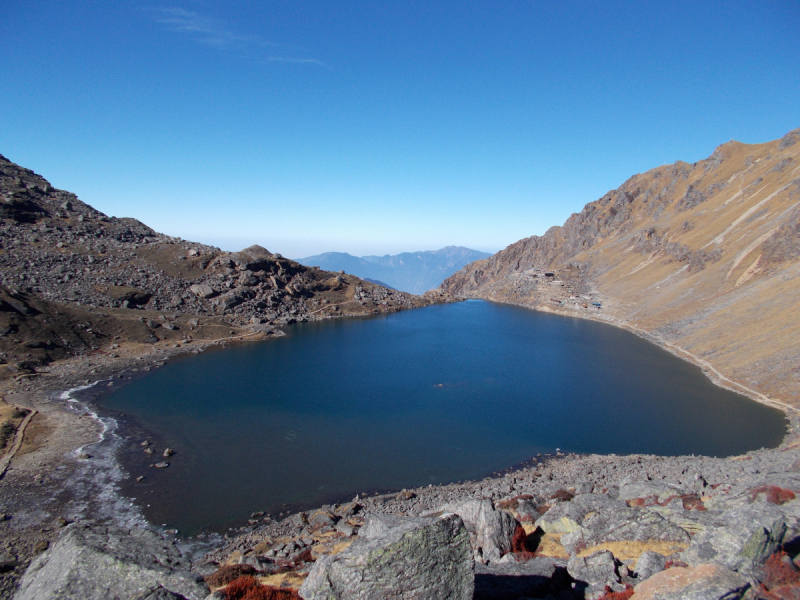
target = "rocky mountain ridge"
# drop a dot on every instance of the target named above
(702, 258)
(70, 275)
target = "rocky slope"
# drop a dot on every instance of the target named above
(86, 297)
(73, 280)
(414, 272)
(703, 257)
(574, 527)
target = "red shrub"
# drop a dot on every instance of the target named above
(512, 503)
(775, 494)
(562, 495)
(690, 501)
(519, 541)
(224, 575)
(248, 588)
(523, 546)
(779, 570)
(675, 563)
(693, 502)
(526, 519)
(304, 556)
(624, 595)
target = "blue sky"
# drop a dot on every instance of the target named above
(379, 127)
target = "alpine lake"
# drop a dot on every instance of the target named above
(428, 396)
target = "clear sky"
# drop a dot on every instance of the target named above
(377, 127)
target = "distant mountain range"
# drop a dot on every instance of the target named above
(414, 272)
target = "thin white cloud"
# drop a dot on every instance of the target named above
(212, 32)
(203, 29)
(288, 59)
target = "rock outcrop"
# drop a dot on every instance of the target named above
(703, 582)
(588, 524)
(490, 530)
(398, 557)
(96, 561)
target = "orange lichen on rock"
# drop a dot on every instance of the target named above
(562, 495)
(775, 494)
(690, 501)
(512, 503)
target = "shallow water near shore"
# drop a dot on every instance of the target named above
(434, 395)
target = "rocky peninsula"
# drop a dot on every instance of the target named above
(89, 298)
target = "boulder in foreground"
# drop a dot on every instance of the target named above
(426, 558)
(490, 530)
(96, 561)
(703, 582)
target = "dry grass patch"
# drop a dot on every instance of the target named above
(331, 548)
(10, 419)
(544, 544)
(37, 434)
(290, 579)
(634, 549)
(263, 546)
(549, 544)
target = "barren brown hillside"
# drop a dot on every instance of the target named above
(74, 280)
(704, 257)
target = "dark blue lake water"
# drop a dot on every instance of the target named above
(433, 395)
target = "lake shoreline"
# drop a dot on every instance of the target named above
(78, 432)
(407, 400)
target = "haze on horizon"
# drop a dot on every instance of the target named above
(378, 128)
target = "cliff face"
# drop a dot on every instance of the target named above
(706, 257)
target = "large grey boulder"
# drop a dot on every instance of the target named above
(97, 561)
(253, 258)
(490, 530)
(650, 563)
(651, 491)
(594, 573)
(703, 582)
(202, 290)
(750, 535)
(159, 592)
(623, 525)
(565, 517)
(413, 558)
